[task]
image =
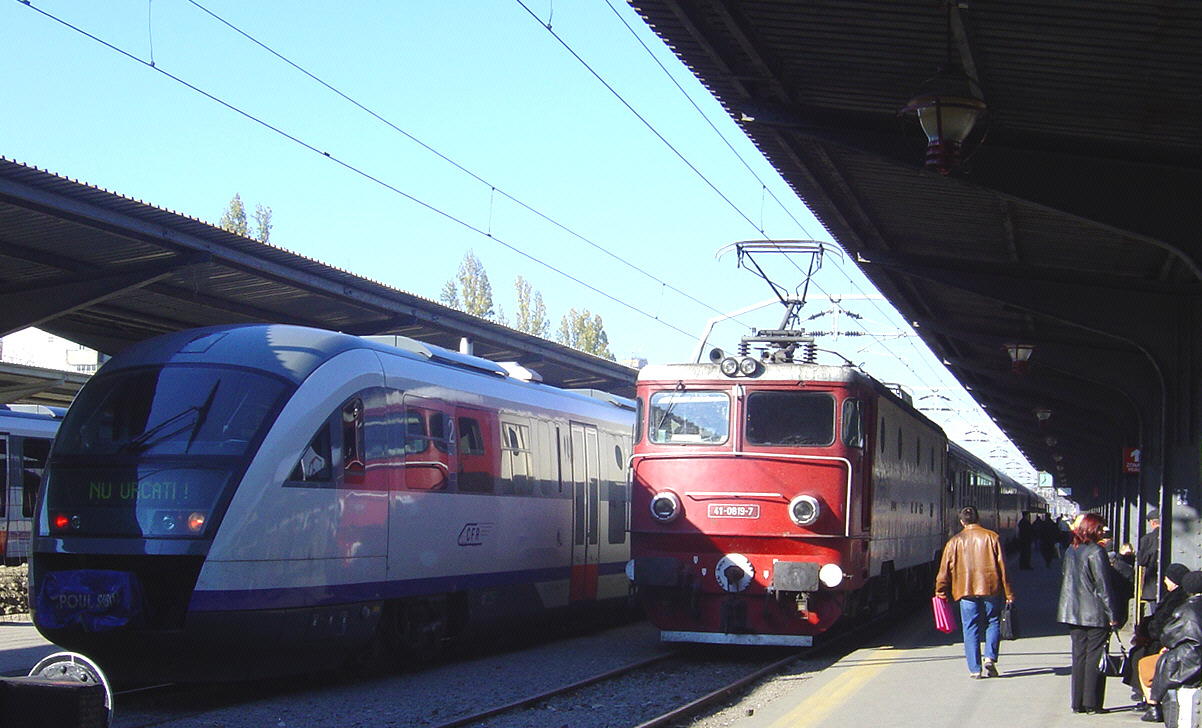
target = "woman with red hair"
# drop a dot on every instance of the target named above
(1087, 607)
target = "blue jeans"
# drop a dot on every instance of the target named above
(974, 610)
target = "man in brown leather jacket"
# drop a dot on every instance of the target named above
(973, 572)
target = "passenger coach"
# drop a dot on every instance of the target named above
(244, 501)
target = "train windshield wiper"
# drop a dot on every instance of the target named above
(201, 414)
(161, 432)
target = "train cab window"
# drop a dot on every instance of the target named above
(790, 418)
(690, 418)
(853, 423)
(314, 463)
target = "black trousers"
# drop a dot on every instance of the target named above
(1089, 685)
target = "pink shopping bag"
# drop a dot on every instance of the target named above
(945, 619)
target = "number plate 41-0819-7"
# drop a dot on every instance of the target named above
(724, 510)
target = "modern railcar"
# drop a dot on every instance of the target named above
(26, 432)
(238, 502)
(770, 498)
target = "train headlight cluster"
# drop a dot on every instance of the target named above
(831, 575)
(746, 366)
(180, 523)
(804, 510)
(665, 506)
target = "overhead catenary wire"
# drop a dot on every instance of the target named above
(424, 145)
(352, 168)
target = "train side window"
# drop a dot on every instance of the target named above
(471, 438)
(352, 437)
(881, 434)
(853, 423)
(516, 459)
(314, 463)
(639, 411)
(918, 451)
(899, 443)
(442, 431)
(415, 433)
(36, 452)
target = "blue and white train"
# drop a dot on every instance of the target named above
(239, 502)
(26, 432)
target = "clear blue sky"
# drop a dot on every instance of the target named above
(483, 83)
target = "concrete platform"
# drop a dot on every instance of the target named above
(916, 677)
(21, 647)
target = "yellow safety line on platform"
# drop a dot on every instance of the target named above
(818, 707)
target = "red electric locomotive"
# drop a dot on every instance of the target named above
(771, 496)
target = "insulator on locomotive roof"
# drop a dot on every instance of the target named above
(809, 353)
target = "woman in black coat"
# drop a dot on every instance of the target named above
(1087, 607)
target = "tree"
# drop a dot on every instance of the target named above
(469, 291)
(235, 221)
(234, 218)
(586, 332)
(262, 223)
(531, 316)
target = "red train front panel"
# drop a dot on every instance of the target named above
(746, 509)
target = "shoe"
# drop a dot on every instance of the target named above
(975, 675)
(1153, 715)
(990, 669)
(1096, 711)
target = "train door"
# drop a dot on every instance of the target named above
(6, 497)
(585, 549)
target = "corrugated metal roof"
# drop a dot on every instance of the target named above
(106, 271)
(1076, 218)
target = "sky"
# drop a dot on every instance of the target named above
(560, 141)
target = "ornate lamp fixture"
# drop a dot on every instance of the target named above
(1043, 414)
(948, 106)
(1020, 354)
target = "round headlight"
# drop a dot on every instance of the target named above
(831, 575)
(804, 510)
(665, 506)
(729, 366)
(748, 367)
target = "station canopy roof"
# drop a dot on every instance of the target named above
(1071, 227)
(106, 271)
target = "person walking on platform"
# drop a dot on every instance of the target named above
(1087, 607)
(973, 572)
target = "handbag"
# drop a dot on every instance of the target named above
(1009, 623)
(1113, 665)
(945, 620)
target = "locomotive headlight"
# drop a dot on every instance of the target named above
(748, 367)
(831, 575)
(196, 522)
(665, 506)
(729, 366)
(804, 510)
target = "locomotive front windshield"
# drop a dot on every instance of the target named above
(154, 452)
(690, 417)
(790, 418)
